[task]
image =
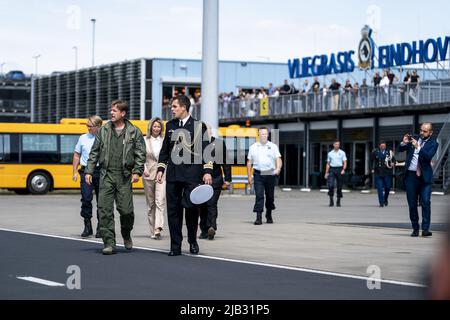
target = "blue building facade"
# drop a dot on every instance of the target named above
(171, 76)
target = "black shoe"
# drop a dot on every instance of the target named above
(426, 233)
(174, 253)
(211, 233)
(269, 217)
(386, 203)
(87, 232)
(193, 248)
(331, 202)
(415, 233)
(338, 203)
(381, 205)
(203, 235)
(258, 220)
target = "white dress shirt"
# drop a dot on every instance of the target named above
(156, 144)
(183, 121)
(415, 158)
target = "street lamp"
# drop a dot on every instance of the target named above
(93, 41)
(75, 48)
(36, 63)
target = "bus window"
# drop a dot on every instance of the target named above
(68, 143)
(243, 147)
(5, 146)
(39, 148)
(230, 144)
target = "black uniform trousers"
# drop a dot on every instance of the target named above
(87, 192)
(177, 194)
(209, 212)
(264, 184)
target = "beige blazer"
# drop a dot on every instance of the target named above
(151, 162)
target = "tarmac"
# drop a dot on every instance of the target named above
(309, 243)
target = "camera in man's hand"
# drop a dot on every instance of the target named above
(408, 138)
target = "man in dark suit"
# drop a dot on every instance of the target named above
(209, 212)
(382, 161)
(419, 176)
(182, 155)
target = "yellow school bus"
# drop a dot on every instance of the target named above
(37, 158)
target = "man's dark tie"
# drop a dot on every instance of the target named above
(419, 171)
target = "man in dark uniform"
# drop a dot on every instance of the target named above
(182, 156)
(208, 212)
(382, 161)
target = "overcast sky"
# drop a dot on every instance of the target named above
(252, 30)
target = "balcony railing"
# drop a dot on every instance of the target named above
(328, 101)
(341, 100)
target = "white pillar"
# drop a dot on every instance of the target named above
(210, 64)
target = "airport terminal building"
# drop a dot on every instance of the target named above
(145, 83)
(308, 120)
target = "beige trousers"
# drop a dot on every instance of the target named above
(155, 195)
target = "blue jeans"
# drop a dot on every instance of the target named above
(87, 193)
(415, 187)
(335, 174)
(384, 185)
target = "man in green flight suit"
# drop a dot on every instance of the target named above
(119, 149)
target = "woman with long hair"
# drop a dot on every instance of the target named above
(155, 193)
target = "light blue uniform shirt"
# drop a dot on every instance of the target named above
(263, 157)
(336, 159)
(84, 146)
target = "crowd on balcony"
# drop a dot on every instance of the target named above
(381, 92)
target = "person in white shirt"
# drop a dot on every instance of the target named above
(384, 84)
(335, 170)
(265, 158)
(155, 193)
(80, 157)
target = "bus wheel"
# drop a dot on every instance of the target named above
(39, 183)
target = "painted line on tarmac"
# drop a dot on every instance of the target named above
(313, 271)
(42, 281)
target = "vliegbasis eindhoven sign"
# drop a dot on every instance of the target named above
(401, 54)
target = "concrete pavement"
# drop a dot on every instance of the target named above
(307, 233)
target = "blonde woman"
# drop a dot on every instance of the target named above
(80, 157)
(155, 193)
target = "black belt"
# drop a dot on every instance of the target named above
(82, 168)
(336, 167)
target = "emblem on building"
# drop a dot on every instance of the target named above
(366, 49)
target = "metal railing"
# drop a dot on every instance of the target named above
(440, 161)
(328, 101)
(340, 100)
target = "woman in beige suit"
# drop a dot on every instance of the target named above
(155, 193)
